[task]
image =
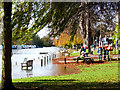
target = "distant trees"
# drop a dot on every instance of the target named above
(37, 41)
(63, 39)
(66, 39)
(47, 41)
(77, 39)
(41, 42)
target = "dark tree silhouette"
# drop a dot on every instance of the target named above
(6, 82)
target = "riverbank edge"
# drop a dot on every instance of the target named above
(44, 81)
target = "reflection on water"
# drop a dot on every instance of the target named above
(42, 64)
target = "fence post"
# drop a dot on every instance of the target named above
(65, 60)
(77, 60)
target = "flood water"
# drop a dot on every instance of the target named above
(40, 68)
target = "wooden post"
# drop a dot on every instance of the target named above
(41, 62)
(65, 60)
(47, 59)
(77, 60)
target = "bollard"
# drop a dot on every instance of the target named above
(77, 60)
(65, 60)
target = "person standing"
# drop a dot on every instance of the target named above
(104, 52)
(110, 52)
(100, 53)
(107, 52)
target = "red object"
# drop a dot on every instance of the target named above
(82, 47)
(106, 47)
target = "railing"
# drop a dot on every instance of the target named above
(45, 58)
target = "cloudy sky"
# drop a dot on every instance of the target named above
(43, 32)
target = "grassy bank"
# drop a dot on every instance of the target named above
(91, 76)
(75, 54)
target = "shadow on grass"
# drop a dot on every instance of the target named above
(64, 85)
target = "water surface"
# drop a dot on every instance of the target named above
(45, 69)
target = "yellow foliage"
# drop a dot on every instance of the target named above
(77, 40)
(64, 39)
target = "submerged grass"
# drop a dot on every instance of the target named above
(91, 76)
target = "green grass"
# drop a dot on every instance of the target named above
(114, 52)
(95, 52)
(72, 50)
(91, 76)
(75, 54)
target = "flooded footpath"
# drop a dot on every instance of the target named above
(40, 68)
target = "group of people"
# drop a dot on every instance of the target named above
(106, 51)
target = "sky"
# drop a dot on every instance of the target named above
(43, 32)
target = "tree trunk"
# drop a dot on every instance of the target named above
(119, 14)
(84, 28)
(119, 24)
(6, 82)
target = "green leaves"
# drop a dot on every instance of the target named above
(116, 33)
(28, 18)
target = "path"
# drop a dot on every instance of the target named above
(60, 59)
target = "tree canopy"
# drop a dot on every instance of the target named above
(28, 18)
